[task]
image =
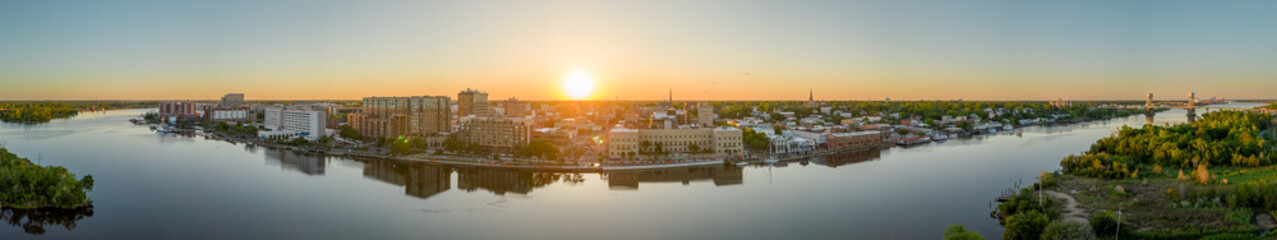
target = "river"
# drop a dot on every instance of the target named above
(153, 185)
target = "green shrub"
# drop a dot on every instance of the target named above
(1104, 224)
(957, 232)
(1027, 225)
(1067, 230)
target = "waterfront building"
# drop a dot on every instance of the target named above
(496, 134)
(232, 100)
(228, 114)
(722, 141)
(472, 102)
(285, 123)
(787, 144)
(392, 117)
(820, 138)
(515, 108)
(852, 140)
(177, 108)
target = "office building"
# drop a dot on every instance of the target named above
(232, 100)
(227, 114)
(705, 115)
(496, 134)
(177, 108)
(722, 141)
(515, 108)
(853, 140)
(472, 102)
(287, 123)
(392, 117)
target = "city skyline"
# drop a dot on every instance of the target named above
(705, 50)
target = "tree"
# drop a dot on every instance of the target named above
(1068, 230)
(539, 148)
(777, 117)
(1026, 225)
(349, 132)
(453, 145)
(694, 148)
(957, 232)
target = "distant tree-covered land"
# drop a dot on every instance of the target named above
(34, 112)
(25, 185)
(41, 112)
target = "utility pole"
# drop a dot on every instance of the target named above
(1118, 234)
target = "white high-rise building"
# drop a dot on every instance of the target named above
(287, 123)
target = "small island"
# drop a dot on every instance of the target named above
(31, 186)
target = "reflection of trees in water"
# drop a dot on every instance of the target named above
(33, 221)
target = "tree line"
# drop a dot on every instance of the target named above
(1224, 138)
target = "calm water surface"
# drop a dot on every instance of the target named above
(153, 185)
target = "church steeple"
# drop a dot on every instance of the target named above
(810, 96)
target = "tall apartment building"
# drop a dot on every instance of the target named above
(496, 134)
(515, 108)
(177, 109)
(705, 115)
(418, 116)
(472, 102)
(232, 100)
(723, 141)
(287, 123)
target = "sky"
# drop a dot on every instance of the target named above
(639, 50)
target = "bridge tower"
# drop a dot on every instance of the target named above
(1192, 112)
(1148, 106)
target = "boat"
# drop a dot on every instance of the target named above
(940, 137)
(742, 164)
(1007, 128)
(771, 160)
(163, 129)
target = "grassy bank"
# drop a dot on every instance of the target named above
(1211, 179)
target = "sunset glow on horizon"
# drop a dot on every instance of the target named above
(638, 50)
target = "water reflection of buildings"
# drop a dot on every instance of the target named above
(502, 182)
(291, 160)
(419, 180)
(721, 176)
(837, 160)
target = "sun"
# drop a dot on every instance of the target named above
(578, 85)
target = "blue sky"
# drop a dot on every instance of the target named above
(717, 50)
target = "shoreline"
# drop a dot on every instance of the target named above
(591, 167)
